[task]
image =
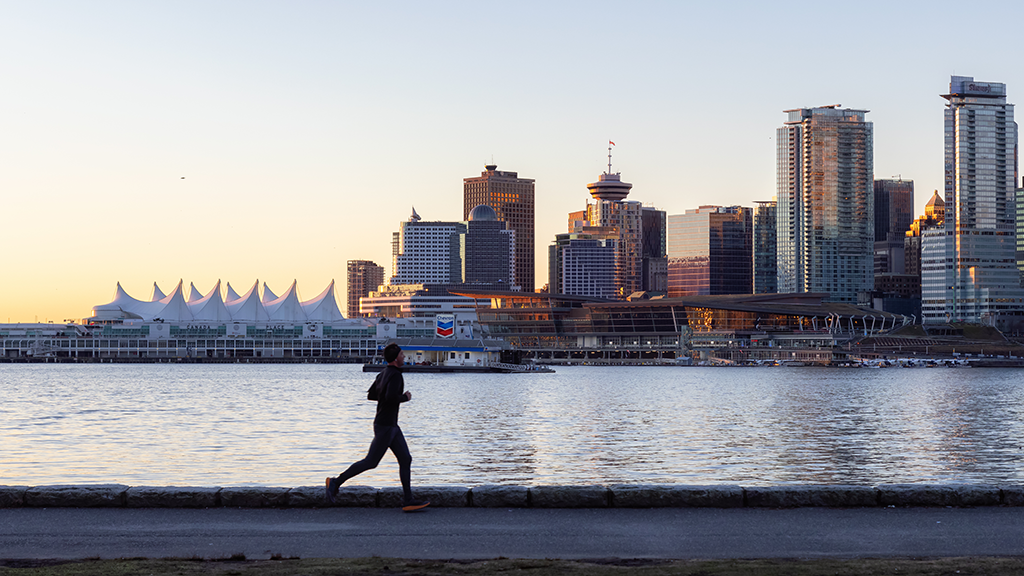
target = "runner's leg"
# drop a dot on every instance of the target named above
(382, 438)
(401, 451)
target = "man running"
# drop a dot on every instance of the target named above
(389, 392)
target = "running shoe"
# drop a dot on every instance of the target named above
(414, 505)
(331, 488)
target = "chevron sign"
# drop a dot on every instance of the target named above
(445, 325)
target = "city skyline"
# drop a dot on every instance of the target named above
(237, 141)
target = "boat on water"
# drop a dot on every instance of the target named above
(495, 367)
(455, 355)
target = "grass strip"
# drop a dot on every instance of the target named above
(238, 566)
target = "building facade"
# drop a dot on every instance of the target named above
(934, 215)
(487, 249)
(417, 301)
(710, 251)
(584, 263)
(933, 276)
(610, 209)
(654, 257)
(363, 277)
(559, 328)
(425, 252)
(894, 208)
(512, 199)
(981, 281)
(825, 202)
(764, 247)
(894, 211)
(480, 250)
(1020, 230)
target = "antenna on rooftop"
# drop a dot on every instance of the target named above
(610, 144)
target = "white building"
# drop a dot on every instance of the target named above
(585, 263)
(426, 252)
(981, 282)
(222, 325)
(933, 276)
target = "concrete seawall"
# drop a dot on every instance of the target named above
(493, 496)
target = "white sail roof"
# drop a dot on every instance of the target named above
(287, 306)
(248, 308)
(158, 294)
(268, 295)
(212, 307)
(193, 293)
(323, 308)
(122, 304)
(232, 295)
(176, 309)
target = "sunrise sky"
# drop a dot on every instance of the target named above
(158, 141)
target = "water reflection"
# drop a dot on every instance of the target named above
(290, 425)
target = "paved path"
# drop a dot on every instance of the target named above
(523, 533)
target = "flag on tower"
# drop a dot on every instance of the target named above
(612, 143)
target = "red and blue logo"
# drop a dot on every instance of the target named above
(445, 325)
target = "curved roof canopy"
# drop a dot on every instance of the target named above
(215, 307)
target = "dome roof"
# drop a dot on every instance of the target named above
(483, 213)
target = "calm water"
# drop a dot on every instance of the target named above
(292, 425)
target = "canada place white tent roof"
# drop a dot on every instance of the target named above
(222, 305)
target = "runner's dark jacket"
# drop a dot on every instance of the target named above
(389, 392)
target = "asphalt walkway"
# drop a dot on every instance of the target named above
(478, 533)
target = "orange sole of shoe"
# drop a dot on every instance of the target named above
(415, 508)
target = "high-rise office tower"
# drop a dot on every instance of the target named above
(511, 197)
(1020, 230)
(709, 251)
(894, 208)
(894, 211)
(480, 250)
(825, 202)
(654, 260)
(764, 246)
(980, 281)
(583, 263)
(426, 252)
(934, 214)
(364, 277)
(487, 249)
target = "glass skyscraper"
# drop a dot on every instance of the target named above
(765, 262)
(655, 263)
(979, 281)
(894, 211)
(825, 203)
(709, 251)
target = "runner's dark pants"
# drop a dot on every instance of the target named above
(385, 437)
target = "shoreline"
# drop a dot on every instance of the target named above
(897, 362)
(500, 496)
